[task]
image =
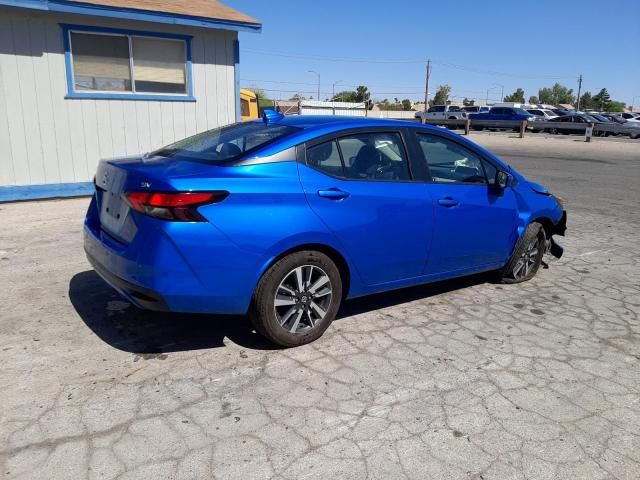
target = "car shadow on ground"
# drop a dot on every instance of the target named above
(123, 326)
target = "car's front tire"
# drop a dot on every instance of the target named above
(297, 298)
(527, 256)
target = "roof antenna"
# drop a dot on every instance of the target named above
(270, 116)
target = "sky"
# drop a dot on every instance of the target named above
(475, 46)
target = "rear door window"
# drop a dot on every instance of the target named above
(326, 158)
(378, 156)
(374, 156)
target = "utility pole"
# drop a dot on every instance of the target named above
(579, 91)
(426, 86)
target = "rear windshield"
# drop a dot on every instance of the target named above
(226, 143)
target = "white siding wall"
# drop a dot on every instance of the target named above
(45, 138)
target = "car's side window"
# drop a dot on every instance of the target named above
(374, 156)
(326, 158)
(452, 163)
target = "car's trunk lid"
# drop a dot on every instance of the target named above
(115, 177)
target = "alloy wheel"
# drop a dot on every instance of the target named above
(526, 263)
(303, 298)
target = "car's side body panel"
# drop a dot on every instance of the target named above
(389, 234)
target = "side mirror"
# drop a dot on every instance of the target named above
(503, 179)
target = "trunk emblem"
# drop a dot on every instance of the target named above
(145, 185)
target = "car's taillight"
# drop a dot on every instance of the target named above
(175, 206)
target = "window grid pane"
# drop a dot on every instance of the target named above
(128, 64)
(101, 62)
(159, 65)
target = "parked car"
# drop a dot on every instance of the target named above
(545, 114)
(581, 118)
(627, 117)
(613, 118)
(630, 116)
(561, 112)
(442, 112)
(632, 129)
(285, 218)
(476, 108)
(502, 113)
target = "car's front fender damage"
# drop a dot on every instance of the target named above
(559, 228)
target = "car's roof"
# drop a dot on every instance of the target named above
(311, 127)
(309, 121)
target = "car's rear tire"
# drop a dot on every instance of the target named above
(297, 298)
(527, 256)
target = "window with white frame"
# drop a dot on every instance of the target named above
(128, 64)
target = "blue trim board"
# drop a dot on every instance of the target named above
(236, 74)
(68, 59)
(51, 190)
(66, 6)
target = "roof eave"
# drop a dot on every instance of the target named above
(133, 14)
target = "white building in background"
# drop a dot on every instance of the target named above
(317, 107)
(80, 81)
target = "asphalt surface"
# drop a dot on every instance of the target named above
(457, 380)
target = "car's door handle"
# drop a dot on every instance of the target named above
(333, 194)
(448, 202)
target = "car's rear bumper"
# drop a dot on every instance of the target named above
(139, 296)
(173, 266)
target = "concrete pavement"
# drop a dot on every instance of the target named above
(456, 380)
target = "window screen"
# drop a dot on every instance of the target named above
(128, 64)
(101, 62)
(159, 65)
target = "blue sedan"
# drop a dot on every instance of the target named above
(283, 218)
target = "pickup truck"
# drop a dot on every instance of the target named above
(442, 112)
(510, 114)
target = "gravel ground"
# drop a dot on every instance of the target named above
(456, 380)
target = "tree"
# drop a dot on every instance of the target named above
(407, 105)
(516, 97)
(262, 97)
(363, 95)
(615, 106)
(557, 94)
(534, 100)
(297, 97)
(586, 101)
(468, 102)
(602, 100)
(442, 95)
(344, 96)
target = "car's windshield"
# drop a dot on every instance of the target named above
(225, 143)
(521, 111)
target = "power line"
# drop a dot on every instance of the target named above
(408, 87)
(328, 58)
(328, 94)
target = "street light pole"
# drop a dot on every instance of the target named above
(313, 71)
